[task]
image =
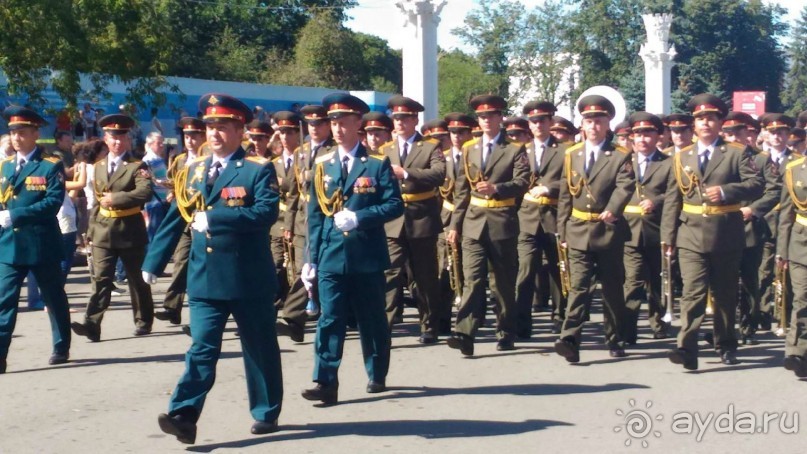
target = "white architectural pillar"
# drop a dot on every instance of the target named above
(421, 18)
(658, 57)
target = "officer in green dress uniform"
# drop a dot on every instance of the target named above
(493, 178)
(352, 196)
(791, 254)
(419, 166)
(193, 136)
(702, 222)
(537, 219)
(231, 202)
(31, 193)
(598, 182)
(122, 185)
(680, 125)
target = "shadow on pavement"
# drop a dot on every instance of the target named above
(451, 428)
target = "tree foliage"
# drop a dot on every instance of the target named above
(794, 95)
(460, 76)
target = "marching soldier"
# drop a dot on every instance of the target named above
(598, 181)
(517, 130)
(353, 197)
(31, 193)
(681, 133)
(643, 213)
(420, 168)
(296, 225)
(437, 129)
(563, 130)
(378, 129)
(796, 141)
(259, 134)
(230, 201)
(193, 134)
(117, 230)
(703, 222)
(791, 257)
(493, 177)
(755, 213)
(288, 125)
(537, 219)
(622, 133)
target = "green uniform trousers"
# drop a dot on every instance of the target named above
(256, 321)
(297, 296)
(796, 343)
(51, 284)
(363, 295)
(532, 249)
(104, 261)
(418, 257)
(719, 273)
(175, 294)
(643, 284)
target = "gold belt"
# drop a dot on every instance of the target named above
(407, 198)
(543, 200)
(585, 215)
(487, 203)
(109, 213)
(634, 209)
(801, 219)
(448, 205)
(707, 210)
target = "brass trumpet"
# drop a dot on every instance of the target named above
(779, 300)
(88, 248)
(288, 260)
(454, 267)
(563, 266)
(667, 295)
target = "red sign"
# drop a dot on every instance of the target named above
(750, 102)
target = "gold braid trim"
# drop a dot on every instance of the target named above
(574, 189)
(187, 203)
(472, 180)
(329, 205)
(8, 192)
(680, 172)
(447, 189)
(801, 205)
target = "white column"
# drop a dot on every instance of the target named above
(421, 18)
(658, 57)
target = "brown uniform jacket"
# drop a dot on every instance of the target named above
(447, 190)
(757, 229)
(608, 187)
(426, 171)
(296, 216)
(130, 186)
(791, 243)
(543, 213)
(508, 169)
(772, 217)
(645, 229)
(731, 168)
(285, 181)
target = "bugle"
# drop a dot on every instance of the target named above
(288, 260)
(563, 267)
(667, 295)
(88, 248)
(454, 268)
(779, 300)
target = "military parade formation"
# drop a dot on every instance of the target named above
(694, 215)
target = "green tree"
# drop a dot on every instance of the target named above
(794, 96)
(460, 77)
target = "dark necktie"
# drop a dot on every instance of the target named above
(288, 165)
(704, 161)
(539, 158)
(20, 166)
(314, 152)
(486, 156)
(345, 160)
(591, 162)
(457, 158)
(112, 167)
(405, 153)
(642, 170)
(214, 174)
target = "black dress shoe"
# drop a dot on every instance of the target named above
(505, 345)
(397, 319)
(295, 332)
(683, 357)
(141, 331)
(617, 352)
(3, 366)
(748, 339)
(765, 322)
(444, 328)
(729, 358)
(794, 363)
(170, 315)
(178, 426)
(186, 330)
(556, 326)
(631, 341)
(427, 338)
(463, 343)
(661, 334)
(374, 387)
(568, 350)
(81, 329)
(524, 335)
(327, 394)
(58, 358)
(264, 427)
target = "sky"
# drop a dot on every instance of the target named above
(382, 18)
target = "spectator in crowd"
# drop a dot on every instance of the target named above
(156, 126)
(63, 121)
(64, 151)
(5, 146)
(88, 118)
(158, 166)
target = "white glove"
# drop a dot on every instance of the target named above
(149, 278)
(309, 275)
(199, 222)
(539, 191)
(345, 220)
(5, 219)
